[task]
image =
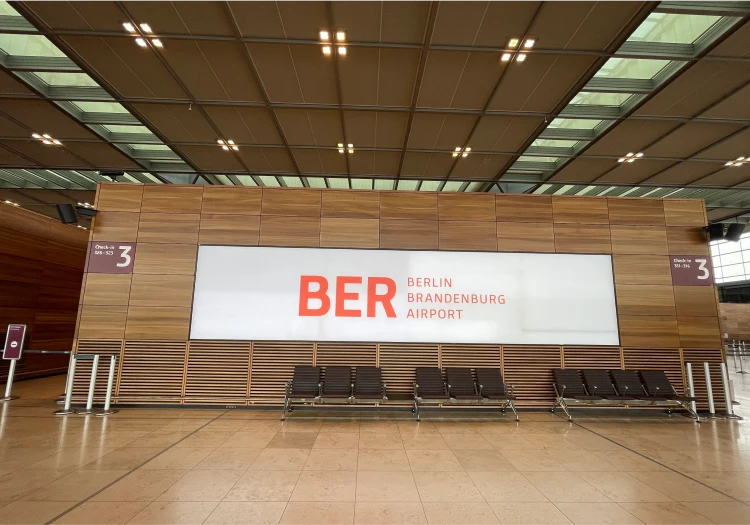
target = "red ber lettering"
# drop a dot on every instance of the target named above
(345, 292)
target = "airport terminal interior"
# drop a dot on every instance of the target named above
(375, 263)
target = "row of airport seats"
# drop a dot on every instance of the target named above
(617, 388)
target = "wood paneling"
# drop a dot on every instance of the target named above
(396, 205)
(684, 212)
(654, 331)
(179, 228)
(170, 198)
(294, 202)
(107, 289)
(645, 300)
(699, 332)
(241, 230)
(22, 221)
(467, 235)
(168, 259)
(642, 269)
(102, 322)
(217, 372)
(289, 231)
(623, 210)
(231, 200)
(582, 238)
(735, 320)
(525, 237)
(119, 197)
(162, 290)
(523, 208)
(639, 240)
(166, 323)
(456, 207)
(353, 204)
(696, 301)
(115, 226)
(687, 241)
(339, 232)
(580, 210)
(403, 234)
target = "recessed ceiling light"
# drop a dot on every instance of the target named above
(505, 57)
(36, 135)
(326, 50)
(225, 147)
(325, 36)
(56, 142)
(81, 227)
(513, 43)
(141, 42)
(230, 142)
(342, 50)
(220, 141)
(45, 141)
(235, 148)
(621, 160)
(529, 43)
(631, 160)
(740, 159)
(639, 155)
(146, 28)
(730, 163)
(46, 136)
(629, 155)
(157, 42)
(520, 57)
(128, 27)
(340, 36)
(350, 145)
(11, 203)
(341, 147)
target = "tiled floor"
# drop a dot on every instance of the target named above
(242, 466)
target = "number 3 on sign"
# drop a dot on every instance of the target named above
(126, 258)
(702, 268)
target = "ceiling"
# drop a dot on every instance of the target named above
(670, 80)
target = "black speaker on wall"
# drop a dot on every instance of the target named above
(734, 232)
(67, 214)
(715, 232)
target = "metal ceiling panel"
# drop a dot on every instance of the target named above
(382, 129)
(440, 131)
(690, 138)
(503, 133)
(179, 122)
(186, 18)
(684, 173)
(631, 136)
(583, 170)
(633, 172)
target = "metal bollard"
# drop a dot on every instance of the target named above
(61, 397)
(691, 387)
(110, 381)
(9, 384)
(709, 391)
(727, 392)
(65, 410)
(92, 385)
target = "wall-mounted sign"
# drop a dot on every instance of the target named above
(110, 257)
(303, 294)
(14, 341)
(691, 270)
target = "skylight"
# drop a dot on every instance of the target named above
(100, 107)
(634, 68)
(601, 99)
(66, 79)
(673, 28)
(28, 46)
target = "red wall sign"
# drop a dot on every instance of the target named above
(110, 257)
(14, 341)
(691, 270)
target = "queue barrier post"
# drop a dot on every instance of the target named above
(728, 392)
(92, 385)
(110, 382)
(709, 392)
(691, 386)
(65, 410)
(9, 384)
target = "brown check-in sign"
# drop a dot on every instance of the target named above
(691, 270)
(14, 341)
(110, 257)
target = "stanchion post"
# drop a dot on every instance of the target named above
(110, 382)
(61, 397)
(691, 387)
(9, 384)
(709, 391)
(68, 390)
(727, 392)
(92, 385)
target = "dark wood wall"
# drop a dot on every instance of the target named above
(41, 270)
(144, 317)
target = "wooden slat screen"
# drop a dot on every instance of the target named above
(217, 372)
(104, 348)
(713, 357)
(667, 359)
(529, 370)
(345, 354)
(398, 362)
(153, 371)
(272, 367)
(605, 357)
(470, 356)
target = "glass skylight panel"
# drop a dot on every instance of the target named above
(600, 99)
(407, 185)
(150, 147)
(528, 158)
(66, 79)
(268, 180)
(632, 68)
(554, 143)
(293, 182)
(427, 185)
(383, 184)
(117, 128)
(28, 46)
(178, 178)
(574, 123)
(7, 10)
(336, 182)
(453, 185)
(673, 28)
(474, 186)
(100, 107)
(362, 184)
(316, 182)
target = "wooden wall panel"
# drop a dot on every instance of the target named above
(687, 241)
(580, 210)
(179, 228)
(152, 371)
(346, 354)
(340, 232)
(295, 202)
(523, 208)
(525, 237)
(582, 238)
(639, 240)
(699, 332)
(171, 198)
(351, 203)
(456, 207)
(666, 359)
(642, 269)
(272, 367)
(167, 259)
(240, 230)
(107, 289)
(684, 212)
(735, 320)
(649, 331)
(579, 358)
(645, 300)
(623, 210)
(115, 226)
(119, 197)
(467, 235)
(470, 356)
(695, 301)
(168, 323)
(402, 234)
(529, 371)
(105, 349)
(398, 362)
(161, 290)
(220, 200)
(102, 322)
(396, 205)
(289, 231)
(217, 372)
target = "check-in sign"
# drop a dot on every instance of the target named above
(14, 341)
(110, 257)
(691, 270)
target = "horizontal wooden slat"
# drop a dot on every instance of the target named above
(580, 210)
(638, 240)
(687, 241)
(395, 205)
(684, 212)
(119, 197)
(272, 367)
(456, 207)
(525, 237)
(623, 210)
(242, 230)
(579, 358)
(170, 198)
(157, 323)
(523, 208)
(217, 371)
(408, 234)
(115, 226)
(107, 289)
(649, 330)
(467, 235)
(582, 238)
(289, 231)
(399, 361)
(153, 370)
(644, 300)
(161, 290)
(231, 200)
(180, 228)
(529, 370)
(291, 202)
(342, 232)
(353, 204)
(642, 269)
(166, 259)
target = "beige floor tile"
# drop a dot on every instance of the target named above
(423, 441)
(72, 458)
(729, 512)
(224, 425)
(509, 442)
(734, 484)
(331, 459)
(455, 428)
(553, 441)
(524, 513)
(378, 427)
(264, 426)
(251, 439)
(205, 438)
(174, 512)
(664, 513)
(386, 486)
(178, 458)
(584, 461)
(565, 487)
(281, 459)
(23, 481)
(417, 427)
(597, 514)
(321, 485)
(20, 457)
(508, 486)
(293, 440)
(243, 513)
(202, 485)
(622, 487)
(380, 440)
(161, 440)
(103, 513)
(32, 512)
(679, 487)
(446, 486)
(534, 461)
(483, 460)
(302, 426)
(229, 458)
(123, 459)
(318, 513)
(433, 460)
(383, 460)
(459, 513)
(76, 486)
(626, 461)
(337, 440)
(264, 485)
(339, 427)
(390, 513)
(141, 485)
(466, 442)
